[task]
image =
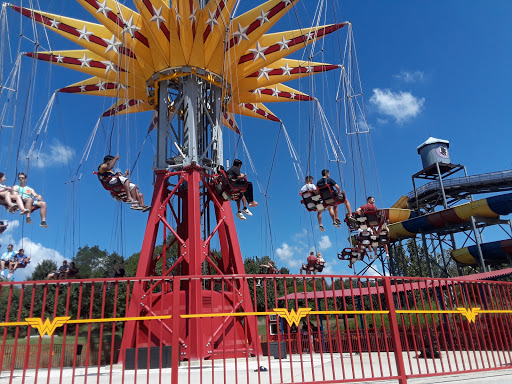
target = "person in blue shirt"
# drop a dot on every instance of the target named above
(20, 260)
(6, 258)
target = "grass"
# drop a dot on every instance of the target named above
(59, 340)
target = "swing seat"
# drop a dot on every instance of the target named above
(116, 190)
(3, 203)
(373, 218)
(384, 237)
(352, 253)
(308, 268)
(3, 226)
(320, 265)
(265, 270)
(321, 198)
(226, 188)
(364, 237)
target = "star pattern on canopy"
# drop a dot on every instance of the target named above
(125, 48)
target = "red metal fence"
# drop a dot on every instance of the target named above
(322, 329)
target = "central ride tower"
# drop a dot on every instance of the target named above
(187, 213)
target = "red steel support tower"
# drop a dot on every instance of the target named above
(189, 152)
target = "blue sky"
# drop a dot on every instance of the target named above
(434, 68)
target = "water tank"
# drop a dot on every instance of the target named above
(434, 151)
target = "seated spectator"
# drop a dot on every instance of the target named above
(333, 211)
(309, 186)
(5, 259)
(110, 180)
(10, 198)
(30, 198)
(247, 197)
(63, 269)
(14, 262)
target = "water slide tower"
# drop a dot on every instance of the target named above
(436, 190)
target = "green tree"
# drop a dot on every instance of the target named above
(409, 260)
(171, 255)
(92, 262)
(42, 270)
(275, 288)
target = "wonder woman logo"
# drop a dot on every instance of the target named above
(470, 314)
(292, 317)
(47, 327)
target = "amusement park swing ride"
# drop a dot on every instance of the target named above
(164, 57)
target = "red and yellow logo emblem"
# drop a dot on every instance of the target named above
(292, 317)
(47, 327)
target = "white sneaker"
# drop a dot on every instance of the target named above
(241, 216)
(247, 212)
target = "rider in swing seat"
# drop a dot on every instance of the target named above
(267, 269)
(3, 227)
(333, 211)
(314, 264)
(246, 197)
(10, 198)
(309, 186)
(382, 230)
(30, 200)
(111, 181)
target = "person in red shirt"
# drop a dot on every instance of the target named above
(312, 259)
(368, 207)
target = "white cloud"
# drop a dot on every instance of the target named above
(11, 226)
(57, 155)
(410, 77)
(324, 243)
(331, 267)
(399, 105)
(286, 254)
(36, 251)
(328, 270)
(372, 272)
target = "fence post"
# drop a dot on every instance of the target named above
(175, 358)
(395, 334)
